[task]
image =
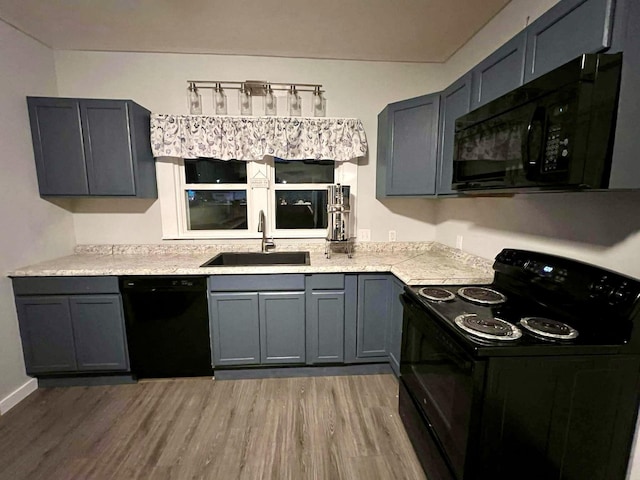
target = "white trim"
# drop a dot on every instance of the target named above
(15, 397)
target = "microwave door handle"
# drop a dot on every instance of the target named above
(534, 140)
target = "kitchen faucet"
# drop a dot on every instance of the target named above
(267, 244)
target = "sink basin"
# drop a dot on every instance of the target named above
(238, 259)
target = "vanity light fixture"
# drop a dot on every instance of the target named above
(219, 100)
(294, 102)
(319, 103)
(270, 102)
(244, 98)
(194, 99)
(254, 88)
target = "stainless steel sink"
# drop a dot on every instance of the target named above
(239, 259)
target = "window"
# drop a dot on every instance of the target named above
(215, 199)
(300, 189)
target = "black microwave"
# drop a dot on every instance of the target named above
(553, 133)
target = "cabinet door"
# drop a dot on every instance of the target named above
(282, 327)
(569, 29)
(374, 308)
(325, 327)
(454, 103)
(409, 153)
(57, 146)
(500, 72)
(107, 145)
(47, 334)
(395, 325)
(235, 328)
(98, 330)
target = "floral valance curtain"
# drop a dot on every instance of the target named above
(251, 138)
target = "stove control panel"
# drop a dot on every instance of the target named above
(570, 278)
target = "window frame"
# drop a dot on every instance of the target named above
(172, 189)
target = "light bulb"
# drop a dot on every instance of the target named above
(194, 99)
(269, 102)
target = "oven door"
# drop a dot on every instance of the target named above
(442, 379)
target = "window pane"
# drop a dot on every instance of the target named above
(210, 170)
(304, 171)
(301, 209)
(217, 209)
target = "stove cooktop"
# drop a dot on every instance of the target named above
(516, 323)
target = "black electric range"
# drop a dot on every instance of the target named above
(533, 376)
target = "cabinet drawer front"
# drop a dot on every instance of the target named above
(329, 281)
(64, 285)
(250, 283)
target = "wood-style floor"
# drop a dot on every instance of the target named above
(289, 428)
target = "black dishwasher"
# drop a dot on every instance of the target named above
(167, 326)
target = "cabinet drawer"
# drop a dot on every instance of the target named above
(64, 285)
(251, 283)
(329, 281)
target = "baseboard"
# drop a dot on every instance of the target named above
(14, 398)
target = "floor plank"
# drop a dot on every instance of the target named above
(344, 427)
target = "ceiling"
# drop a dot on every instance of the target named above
(379, 30)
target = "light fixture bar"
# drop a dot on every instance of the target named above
(257, 88)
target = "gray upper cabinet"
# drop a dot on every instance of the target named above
(569, 29)
(499, 73)
(374, 309)
(92, 147)
(407, 147)
(98, 330)
(282, 327)
(235, 328)
(64, 333)
(454, 103)
(625, 170)
(47, 334)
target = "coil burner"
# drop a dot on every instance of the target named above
(489, 328)
(435, 294)
(482, 295)
(549, 329)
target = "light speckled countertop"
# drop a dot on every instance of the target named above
(414, 263)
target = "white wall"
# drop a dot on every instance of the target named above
(33, 229)
(158, 81)
(600, 228)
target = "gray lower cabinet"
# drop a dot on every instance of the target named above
(395, 325)
(374, 309)
(71, 334)
(407, 147)
(92, 147)
(282, 327)
(325, 326)
(98, 332)
(254, 328)
(569, 29)
(47, 334)
(235, 328)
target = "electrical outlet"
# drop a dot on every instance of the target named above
(364, 235)
(459, 242)
(392, 235)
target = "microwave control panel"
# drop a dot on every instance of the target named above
(557, 148)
